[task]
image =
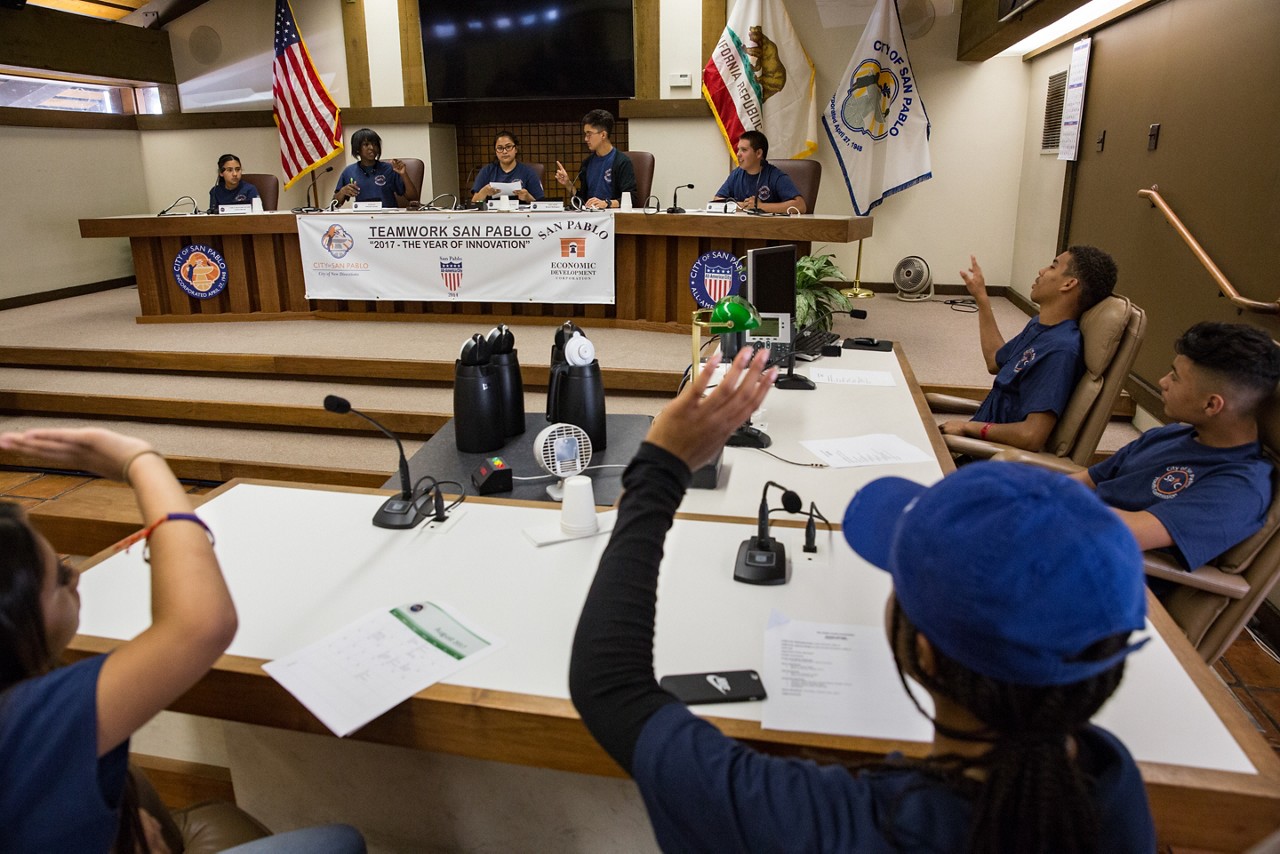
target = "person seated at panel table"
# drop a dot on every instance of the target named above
(230, 190)
(607, 173)
(507, 169)
(64, 730)
(370, 179)
(1196, 487)
(1016, 666)
(756, 184)
(1037, 370)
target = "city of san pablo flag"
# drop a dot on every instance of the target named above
(876, 119)
(760, 78)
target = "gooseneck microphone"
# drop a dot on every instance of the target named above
(675, 198)
(398, 511)
(313, 195)
(762, 559)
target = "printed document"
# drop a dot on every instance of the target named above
(873, 449)
(835, 678)
(364, 669)
(851, 377)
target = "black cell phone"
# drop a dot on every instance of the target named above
(725, 686)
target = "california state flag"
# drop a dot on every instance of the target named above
(760, 78)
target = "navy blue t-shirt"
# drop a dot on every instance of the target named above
(57, 794)
(243, 194)
(707, 792)
(492, 174)
(599, 178)
(379, 184)
(770, 185)
(1208, 499)
(1039, 368)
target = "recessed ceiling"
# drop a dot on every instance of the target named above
(108, 10)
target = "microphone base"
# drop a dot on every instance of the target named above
(399, 513)
(747, 436)
(675, 210)
(761, 562)
(794, 381)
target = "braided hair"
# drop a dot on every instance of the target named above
(1035, 798)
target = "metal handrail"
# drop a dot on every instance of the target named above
(1153, 195)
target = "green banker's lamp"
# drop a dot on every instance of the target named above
(730, 318)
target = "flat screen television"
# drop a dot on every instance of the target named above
(499, 50)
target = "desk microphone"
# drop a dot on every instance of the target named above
(576, 202)
(313, 195)
(398, 511)
(464, 200)
(762, 559)
(453, 204)
(675, 201)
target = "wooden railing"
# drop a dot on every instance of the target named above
(1203, 257)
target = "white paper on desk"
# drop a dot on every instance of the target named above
(506, 188)
(364, 669)
(851, 377)
(839, 679)
(873, 449)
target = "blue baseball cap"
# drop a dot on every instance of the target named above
(1010, 570)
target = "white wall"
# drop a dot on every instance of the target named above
(66, 175)
(237, 76)
(680, 40)
(1040, 190)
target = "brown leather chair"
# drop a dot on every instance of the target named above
(643, 163)
(540, 169)
(203, 828)
(1213, 603)
(417, 171)
(806, 174)
(1112, 332)
(268, 188)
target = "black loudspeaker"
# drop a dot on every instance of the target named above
(477, 400)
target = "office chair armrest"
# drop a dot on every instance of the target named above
(1031, 458)
(951, 403)
(1205, 578)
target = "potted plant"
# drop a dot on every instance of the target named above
(816, 301)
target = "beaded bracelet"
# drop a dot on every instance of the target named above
(145, 534)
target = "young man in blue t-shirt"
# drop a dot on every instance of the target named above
(370, 179)
(756, 184)
(1037, 370)
(1199, 486)
(607, 173)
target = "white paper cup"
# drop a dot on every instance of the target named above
(578, 508)
(625, 202)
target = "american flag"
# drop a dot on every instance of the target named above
(308, 119)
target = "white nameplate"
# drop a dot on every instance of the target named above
(235, 209)
(548, 206)
(506, 203)
(722, 207)
(366, 206)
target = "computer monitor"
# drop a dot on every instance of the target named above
(771, 288)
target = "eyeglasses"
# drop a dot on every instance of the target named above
(504, 148)
(587, 134)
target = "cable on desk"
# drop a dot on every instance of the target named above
(794, 462)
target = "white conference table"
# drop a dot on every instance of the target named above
(303, 562)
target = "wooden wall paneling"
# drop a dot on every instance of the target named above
(24, 117)
(982, 36)
(625, 261)
(1220, 181)
(388, 306)
(83, 45)
(266, 274)
(714, 17)
(146, 270)
(238, 285)
(173, 299)
(679, 299)
(657, 268)
(292, 266)
(354, 36)
(412, 69)
(647, 49)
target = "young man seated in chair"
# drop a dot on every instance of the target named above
(1198, 486)
(1038, 369)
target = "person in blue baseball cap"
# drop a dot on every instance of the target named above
(1015, 596)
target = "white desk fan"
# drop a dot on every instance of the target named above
(563, 450)
(913, 280)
